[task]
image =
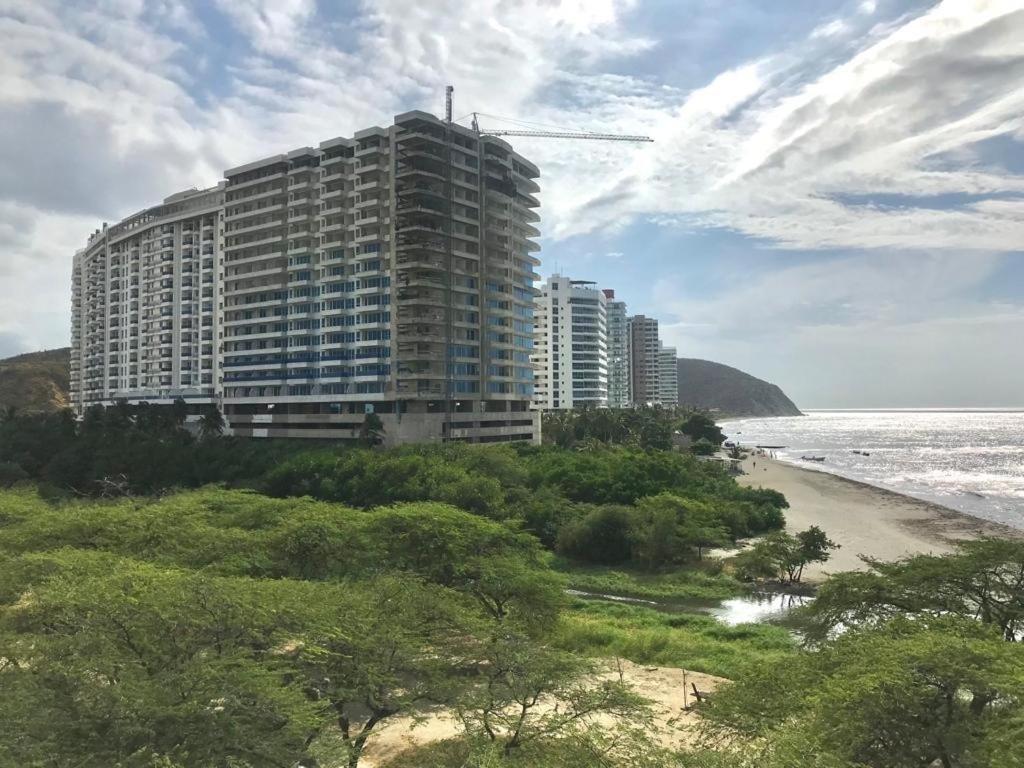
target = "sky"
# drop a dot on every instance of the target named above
(833, 201)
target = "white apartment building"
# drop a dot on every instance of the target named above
(145, 295)
(570, 346)
(618, 352)
(644, 360)
(390, 272)
(668, 376)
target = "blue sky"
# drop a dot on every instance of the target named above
(834, 199)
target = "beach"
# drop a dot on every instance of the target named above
(863, 519)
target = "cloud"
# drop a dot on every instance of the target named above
(833, 28)
(844, 139)
(861, 331)
(769, 148)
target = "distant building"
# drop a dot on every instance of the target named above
(668, 376)
(570, 345)
(618, 352)
(644, 360)
(390, 272)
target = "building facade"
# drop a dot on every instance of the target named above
(668, 376)
(645, 360)
(618, 352)
(391, 272)
(145, 295)
(570, 345)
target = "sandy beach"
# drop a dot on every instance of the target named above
(863, 519)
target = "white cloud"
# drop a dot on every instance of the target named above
(774, 150)
(833, 28)
(788, 147)
(868, 7)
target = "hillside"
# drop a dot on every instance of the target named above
(726, 390)
(37, 381)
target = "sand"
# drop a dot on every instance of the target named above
(663, 686)
(863, 519)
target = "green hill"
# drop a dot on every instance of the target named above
(36, 381)
(729, 391)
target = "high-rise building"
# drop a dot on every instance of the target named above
(668, 376)
(644, 360)
(390, 273)
(571, 345)
(618, 352)
(145, 295)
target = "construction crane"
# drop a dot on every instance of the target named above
(557, 134)
(449, 91)
(449, 122)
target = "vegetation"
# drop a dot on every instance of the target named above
(648, 427)
(907, 693)
(729, 392)
(605, 505)
(131, 449)
(674, 586)
(927, 670)
(783, 556)
(688, 640)
(285, 623)
(222, 627)
(983, 581)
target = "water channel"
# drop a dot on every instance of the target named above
(757, 607)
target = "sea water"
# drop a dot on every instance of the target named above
(968, 460)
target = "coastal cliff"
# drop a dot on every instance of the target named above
(729, 391)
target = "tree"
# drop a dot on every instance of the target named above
(703, 447)
(106, 665)
(667, 529)
(601, 536)
(389, 656)
(510, 590)
(371, 433)
(813, 546)
(983, 581)
(700, 426)
(11, 474)
(212, 423)
(178, 413)
(906, 694)
(526, 692)
(785, 555)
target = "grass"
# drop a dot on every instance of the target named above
(685, 640)
(679, 585)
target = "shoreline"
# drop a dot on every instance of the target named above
(865, 519)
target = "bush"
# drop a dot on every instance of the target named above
(11, 474)
(602, 536)
(703, 447)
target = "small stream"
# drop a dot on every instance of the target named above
(755, 608)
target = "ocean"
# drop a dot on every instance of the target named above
(968, 460)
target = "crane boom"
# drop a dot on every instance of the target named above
(566, 135)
